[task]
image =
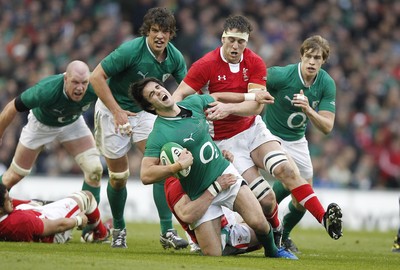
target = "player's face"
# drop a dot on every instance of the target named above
(158, 96)
(311, 63)
(76, 84)
(158, 39)
(233, 47)
(8, 206)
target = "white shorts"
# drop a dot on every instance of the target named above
(65, 208)
(242, 144)
(300, 153)
(113, 145)
(225, 198)
(35, 134)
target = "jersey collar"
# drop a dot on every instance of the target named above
(151, 52)
(301, 77)
(233, 67)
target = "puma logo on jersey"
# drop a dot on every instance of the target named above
(288, 98)
(142, 74)
(59, 111)
(188, 139)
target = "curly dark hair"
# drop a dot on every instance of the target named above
(159, 16)
(136, 93)
(239, 22)
(3, 190)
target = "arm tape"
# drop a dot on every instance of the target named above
(215, 188)
(78, 221)
(249, 96)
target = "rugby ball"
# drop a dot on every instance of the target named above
(170, 153)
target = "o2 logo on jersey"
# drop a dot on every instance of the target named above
(208, 153)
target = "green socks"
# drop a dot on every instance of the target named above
(163, 210)
(94, 190)
(290, 220)
(117, 200)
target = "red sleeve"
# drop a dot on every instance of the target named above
(21, 226)
(173, 191)
(17, 202)
(199, 73)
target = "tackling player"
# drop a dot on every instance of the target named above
(236, 237)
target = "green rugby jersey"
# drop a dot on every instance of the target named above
(191, 133)
(51, 105)
(282, 118)
(133, 61)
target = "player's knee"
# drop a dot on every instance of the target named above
(84, 199)
(260, 188)
(18, 170)
(118, 179)
(90, 163)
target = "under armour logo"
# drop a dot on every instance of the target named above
(188, 139)
(141, 74)
(221, 77)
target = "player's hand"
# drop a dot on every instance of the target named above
(218, 110)
(226, 180)
(301, 101)
(84, 221)
(264, 97)
(228, 155)
(121, 122)
(185, 158)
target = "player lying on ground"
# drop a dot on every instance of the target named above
(25, 221)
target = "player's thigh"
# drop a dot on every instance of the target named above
(208, 237)
(25, 157)
(300, 154)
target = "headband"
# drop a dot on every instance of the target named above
(240, 35)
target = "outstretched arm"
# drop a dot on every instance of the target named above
(7, 116)
(54, 226)
(183, 91)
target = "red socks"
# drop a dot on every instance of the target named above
(305, 195)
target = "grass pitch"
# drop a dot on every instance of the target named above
(356, 250)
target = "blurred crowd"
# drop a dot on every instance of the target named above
(38, 38)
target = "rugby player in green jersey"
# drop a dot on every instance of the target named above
(303, 92)
(119, 122)
(185, 123)
(56, 104)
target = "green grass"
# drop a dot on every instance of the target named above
(356, 250)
